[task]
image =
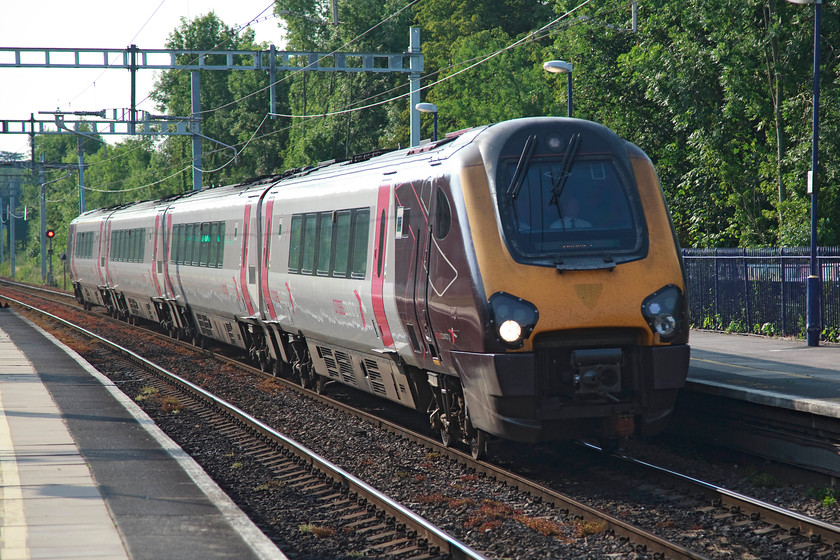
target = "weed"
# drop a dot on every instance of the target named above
(490, 516)
(320, 532)
(269, 386)
(171, 404)
(237, 465)
(542, 525)
(764, 480)
(587, 528)
(146, 393)
(432, 456)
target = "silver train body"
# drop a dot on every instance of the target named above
(436, 277)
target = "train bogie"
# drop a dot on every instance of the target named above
(519, 280)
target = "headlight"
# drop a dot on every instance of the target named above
(663, 311)
(513, 318)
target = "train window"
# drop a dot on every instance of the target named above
(443, 215)
(220, 243)
(204, 244)
(309, 243)
(380, 254)
(341, 245)
(141, 245)
(361, 227)
(564, 212)
(178, 243)
(173, 245)
(212, 260)
(294, 243)
(325, 235)
(196, 243)
(187, 254)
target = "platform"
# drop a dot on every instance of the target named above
(781, 372)
(86, 474)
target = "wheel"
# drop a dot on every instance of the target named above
(321, 384)
(445, 437)
(478, 445)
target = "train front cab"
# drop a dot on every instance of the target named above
(587, 328)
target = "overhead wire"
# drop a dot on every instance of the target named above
(534, 35)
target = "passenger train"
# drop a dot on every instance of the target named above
(520, 280)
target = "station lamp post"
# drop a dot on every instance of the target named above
(561, 67)
(429, 108)
(814, 308)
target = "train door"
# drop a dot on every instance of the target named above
(414, 211)
(380, 249)
(248, 265)
(160, 254)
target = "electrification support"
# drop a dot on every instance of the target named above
(272, 80)
(416, 66)
(13, 190)
(195, 127)
(81, 176)
(132, 127)
(42, 199)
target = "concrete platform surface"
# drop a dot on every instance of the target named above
(85, 473)
(773, 371)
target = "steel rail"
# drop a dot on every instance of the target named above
(424, 528)
(769, 513)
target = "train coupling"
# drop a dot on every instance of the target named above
(597, 370)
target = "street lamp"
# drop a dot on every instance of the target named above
(429, 108)
(561, 67)
(814, 308)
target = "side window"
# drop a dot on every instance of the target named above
(325, 236)
(342, 244)
(220, 241)
(361, 227)
(141, 245)
(309, 243)
(443, 215)
(294, 243)
(204, 244)
(195, 241)
(214, 245)
(188, 244)
(178, 243)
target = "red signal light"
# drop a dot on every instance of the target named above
(50, 233)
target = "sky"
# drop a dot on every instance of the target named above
(99, 24)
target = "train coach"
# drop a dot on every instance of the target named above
(520, 280)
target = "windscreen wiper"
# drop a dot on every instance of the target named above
(521, 168)
(565, 171)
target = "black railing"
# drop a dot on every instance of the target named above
(760, 290)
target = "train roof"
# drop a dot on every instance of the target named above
(438, 150)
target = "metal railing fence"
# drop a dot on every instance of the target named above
(761, 290)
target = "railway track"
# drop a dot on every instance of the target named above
(388, 527)
(763, 519)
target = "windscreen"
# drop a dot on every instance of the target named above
(568, 205)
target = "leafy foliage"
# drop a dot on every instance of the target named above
(717, 92)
